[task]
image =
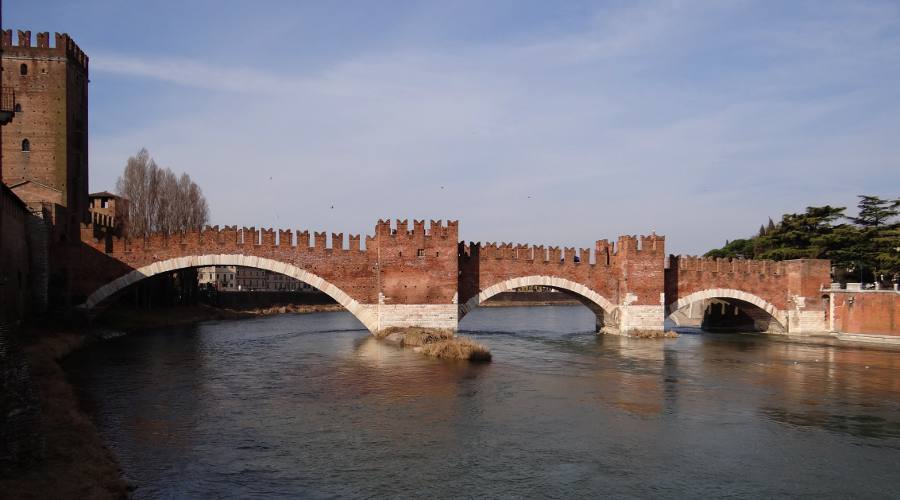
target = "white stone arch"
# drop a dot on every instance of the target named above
(730, 293)
(549, 281)
(363, 313)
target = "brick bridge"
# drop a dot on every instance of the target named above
(425, 277)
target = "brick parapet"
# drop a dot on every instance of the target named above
(785, 284)
(63, 46)
(604, 270)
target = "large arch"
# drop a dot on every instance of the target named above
(778, 315)
(598, 303)
(362, 312)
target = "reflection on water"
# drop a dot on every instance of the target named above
(311, 406)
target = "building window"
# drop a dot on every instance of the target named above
(23, 69)
(18, 108)
(26, 146)
(420, 252)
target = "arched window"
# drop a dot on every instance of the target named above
(18, 108)
(23, 69)
(26, 146)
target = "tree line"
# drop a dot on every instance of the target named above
(861, 248)
(159, 201)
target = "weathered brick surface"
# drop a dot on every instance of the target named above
(774, 282)
(867, 312)
(613, 271)
(53, 117)
(626, 284)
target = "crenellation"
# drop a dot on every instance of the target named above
(554, 254)
(584, 255)
(320, 240)
(24, 38)
(285, 238)
(354, 242)
(437, 229)
(402, 227)
(211, 235)
(268, 237)
(251, 236)
(337, 241)
(229, 236)
(602, 252)
(418, 228)
(569, 255)
(626, 244)
(302, 241)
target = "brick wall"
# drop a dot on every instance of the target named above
(52, 94)
(866, 312)
(14, 257)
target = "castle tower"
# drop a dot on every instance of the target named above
(45, 149)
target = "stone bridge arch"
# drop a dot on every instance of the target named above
(768, 310)
(362, 312)
(607, 312)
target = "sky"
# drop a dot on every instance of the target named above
(556, 123)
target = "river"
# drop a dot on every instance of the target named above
(311, 406)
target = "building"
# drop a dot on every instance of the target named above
(222, 278)
(107, 211)
(45, 149)
(252, 279)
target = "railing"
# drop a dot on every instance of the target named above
(7, 105)
(8, 100)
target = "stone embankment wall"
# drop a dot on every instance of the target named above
(869, 312)
(20, 442)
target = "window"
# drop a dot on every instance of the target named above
(23, 69)
(26, 146)
(18, 108)
(104, 203)
(420, 252)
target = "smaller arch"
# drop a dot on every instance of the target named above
(17, 108)
(607, 307)
(729, 293)
(23, 69)
(26, 145)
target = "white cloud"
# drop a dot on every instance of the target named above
(562, 140)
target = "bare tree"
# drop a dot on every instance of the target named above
(158, 200)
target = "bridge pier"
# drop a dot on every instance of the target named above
(431, 316)
(426, 278)
(641, 320)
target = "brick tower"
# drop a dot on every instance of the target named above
(45, 149)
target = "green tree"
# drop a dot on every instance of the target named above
(865, 248)
(875, 212)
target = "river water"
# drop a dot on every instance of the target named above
(311, 406)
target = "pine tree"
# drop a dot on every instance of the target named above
(874, 211)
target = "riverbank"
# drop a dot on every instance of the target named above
(76, 463)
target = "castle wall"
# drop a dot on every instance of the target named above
(866, 312)
(53, 118)
(417, 266)
(792, 287)
(14, 257)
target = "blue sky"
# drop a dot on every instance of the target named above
(528, 121)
